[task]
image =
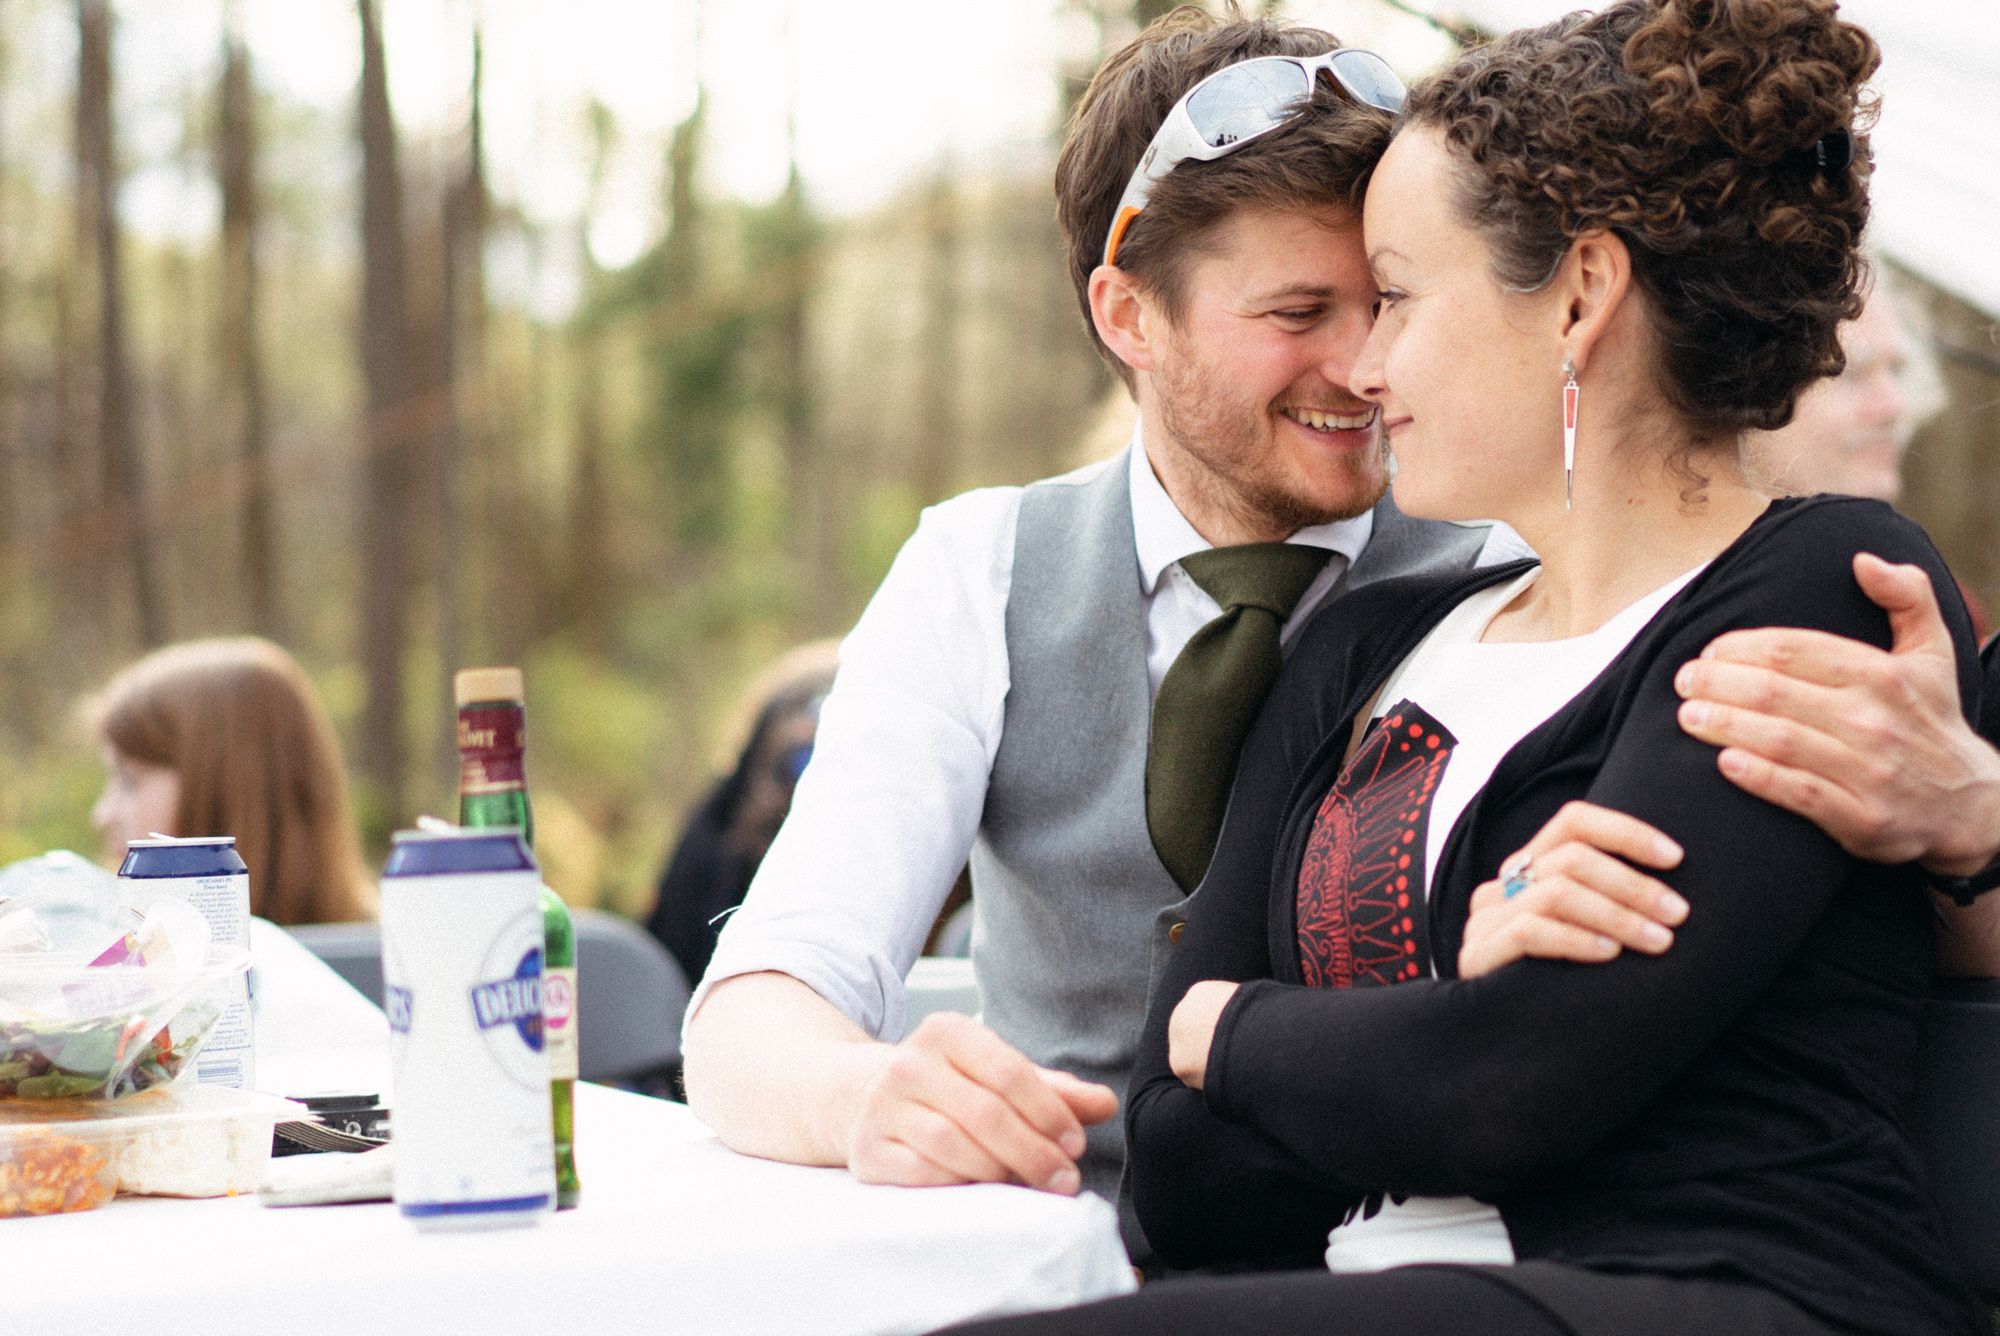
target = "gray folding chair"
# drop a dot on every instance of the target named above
(631, 993)
(1956, 1120)
(354, 950)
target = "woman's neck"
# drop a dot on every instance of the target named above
(1622, 539)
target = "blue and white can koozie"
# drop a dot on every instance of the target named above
(209, 874)
(462, 975)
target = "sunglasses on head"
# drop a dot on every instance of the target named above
(1243, 102)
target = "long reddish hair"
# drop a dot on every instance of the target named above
(239, 724)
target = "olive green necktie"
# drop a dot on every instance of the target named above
(1213, 691)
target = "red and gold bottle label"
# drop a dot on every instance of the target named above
(490, 743)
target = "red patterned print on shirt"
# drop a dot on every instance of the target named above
(1361, 885)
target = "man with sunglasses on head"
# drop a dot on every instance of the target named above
(996, 702)
(1052, 680)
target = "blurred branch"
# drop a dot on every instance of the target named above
(1464, 33)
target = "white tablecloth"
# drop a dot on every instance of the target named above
(675, 1234)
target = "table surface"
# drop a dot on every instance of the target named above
(676, 1233)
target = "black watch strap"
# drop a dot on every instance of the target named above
(1964, 890)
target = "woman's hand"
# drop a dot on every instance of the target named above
(1191, 1029)
(1573, 894)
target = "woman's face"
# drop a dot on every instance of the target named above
(138, 800)
(1468, 375)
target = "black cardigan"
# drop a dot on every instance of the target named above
(1731, 1108)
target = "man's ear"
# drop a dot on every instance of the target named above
(1596, 279)
(1123, 315)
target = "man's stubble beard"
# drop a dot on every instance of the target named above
(1199, 423)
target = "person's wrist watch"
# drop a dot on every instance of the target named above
(1964, 890)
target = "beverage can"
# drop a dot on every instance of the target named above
(209, 874)
(462, 976)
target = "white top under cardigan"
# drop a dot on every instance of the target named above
(1488, 695)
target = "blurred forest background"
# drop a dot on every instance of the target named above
(336, 321)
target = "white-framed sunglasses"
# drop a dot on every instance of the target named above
(1242, 102)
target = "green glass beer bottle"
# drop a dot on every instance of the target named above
(493, 791)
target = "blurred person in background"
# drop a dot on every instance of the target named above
(1851, 430)
(728, 833)
(226, 737)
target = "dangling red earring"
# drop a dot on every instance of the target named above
(1569, 429)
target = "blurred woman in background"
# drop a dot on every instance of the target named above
(226, 737)
(729, 831)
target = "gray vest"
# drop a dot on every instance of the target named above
(1071, 904)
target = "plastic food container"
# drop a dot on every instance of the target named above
(51, 1166)
(70, 1029)
(181, 1140)
(105, 989)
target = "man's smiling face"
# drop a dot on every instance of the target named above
(1249, 383)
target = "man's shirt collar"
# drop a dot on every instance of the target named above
(1164, 535)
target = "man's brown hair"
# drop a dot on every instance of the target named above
(1319, 160)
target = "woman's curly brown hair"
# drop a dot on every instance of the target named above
(1696, 131)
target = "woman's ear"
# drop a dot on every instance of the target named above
(1123, 315)
(1595, 279)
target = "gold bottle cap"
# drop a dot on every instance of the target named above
(473, 685)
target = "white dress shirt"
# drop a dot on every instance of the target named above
(885, 815)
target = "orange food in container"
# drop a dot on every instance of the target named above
(181, 1140)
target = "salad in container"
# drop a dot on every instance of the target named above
(106, 988)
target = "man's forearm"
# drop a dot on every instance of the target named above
(778, 1071)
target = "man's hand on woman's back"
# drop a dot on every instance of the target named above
(1868, 744)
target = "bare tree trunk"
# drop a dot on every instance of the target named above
(588, 576)
(461, 360)
(474, 370)
(245, 403)
(515, 585)
(590, 518)
(938, 452)
(386, 360)
(97, 196)
(816, 511)
(11, 506)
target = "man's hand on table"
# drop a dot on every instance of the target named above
(953, 1103)
(1868, 744)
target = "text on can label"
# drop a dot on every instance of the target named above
(515, 1001)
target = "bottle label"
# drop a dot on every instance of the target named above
(489, 748)
(559, 1020)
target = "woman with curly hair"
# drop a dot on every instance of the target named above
(1605, 249)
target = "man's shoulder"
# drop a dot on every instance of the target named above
(1399, 545)
(1083, 476)
(975, 526)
